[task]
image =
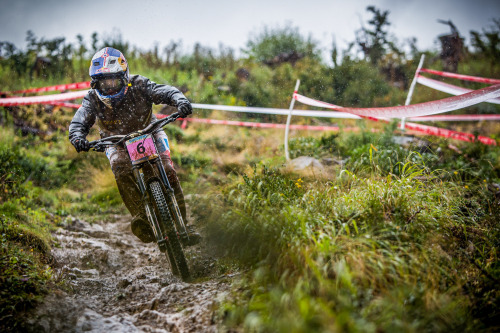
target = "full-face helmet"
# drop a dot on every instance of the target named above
(110, 75)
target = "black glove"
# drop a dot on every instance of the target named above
(81, 144)
(185, 109)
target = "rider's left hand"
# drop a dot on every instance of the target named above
(185, 109)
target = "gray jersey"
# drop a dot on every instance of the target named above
(134, 112)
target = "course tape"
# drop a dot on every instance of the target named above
(57, 100)
(254, 124)
(45, 99)
(413, 110)
(446, 133)
(309, 113)
(448, 88)
(461, 76)
(285, 112)
(60, 87)
(458, 117)
(65, 104)
(431, 130)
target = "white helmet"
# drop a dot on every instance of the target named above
(110, 75)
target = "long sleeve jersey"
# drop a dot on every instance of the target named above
(133, 113)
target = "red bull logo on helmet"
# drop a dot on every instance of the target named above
(108, 60)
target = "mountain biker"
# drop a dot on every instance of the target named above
(122, 103)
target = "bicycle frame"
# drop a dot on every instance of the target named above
(142, 182)
(154, 161)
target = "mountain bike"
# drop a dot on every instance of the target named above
(158, 196)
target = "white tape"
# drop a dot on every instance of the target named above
(414, 110)
(285, 112)
(448, 88)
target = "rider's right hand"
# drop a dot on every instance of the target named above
(81, 144)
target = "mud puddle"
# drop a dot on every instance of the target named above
(118, 284)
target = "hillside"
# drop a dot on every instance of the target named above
(387, 231)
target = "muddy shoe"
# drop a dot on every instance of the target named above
(142, 230)
(192, 237)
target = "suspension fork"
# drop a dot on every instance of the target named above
(163, 176)
(137, 170)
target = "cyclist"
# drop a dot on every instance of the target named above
(122, 103)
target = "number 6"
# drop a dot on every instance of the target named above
(140, 148)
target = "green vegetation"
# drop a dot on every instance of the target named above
(389, 237)
(43, 184)
(412, 247)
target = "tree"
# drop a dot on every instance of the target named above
(275, 46)
(487, 43)
(374, 41)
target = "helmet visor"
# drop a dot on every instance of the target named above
(110, 86)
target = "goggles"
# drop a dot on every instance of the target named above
(110, 86)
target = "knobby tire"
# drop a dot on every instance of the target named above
(175, 252)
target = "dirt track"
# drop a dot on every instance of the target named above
(119, 284)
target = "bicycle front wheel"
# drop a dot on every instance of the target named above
(174, 247)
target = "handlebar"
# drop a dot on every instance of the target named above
(102, 144)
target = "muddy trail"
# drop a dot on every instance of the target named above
(115, 283)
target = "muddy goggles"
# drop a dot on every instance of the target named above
(109, 86)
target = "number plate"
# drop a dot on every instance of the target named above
(141, 149)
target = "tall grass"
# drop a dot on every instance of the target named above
(399, 248)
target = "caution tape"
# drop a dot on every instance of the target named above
(446, 133)
(45, 99)
(258, 125)
(310, 113)
(65, 104)
(430, 130)
(461, 76)
(59, 100)
(284, 112)
(448, 88)
(458, 117)
(59, 87)
(413, 110)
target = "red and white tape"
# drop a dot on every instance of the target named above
(327, 114)
(45, 99)
(458, 117)
(59, 87)
(260, 125)
(59, 100)
(413, 110)
(431, 130)
(448, 88)
(461, 76)
(446, 133)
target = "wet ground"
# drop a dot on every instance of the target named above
(115, 283)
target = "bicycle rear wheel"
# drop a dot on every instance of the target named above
(174, 248)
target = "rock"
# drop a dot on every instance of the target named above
(91, 321)
(333, 161)
(303, 162)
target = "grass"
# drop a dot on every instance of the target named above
(400, 238)
(42, 182)
(396, 241)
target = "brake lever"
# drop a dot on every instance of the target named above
(99, 148)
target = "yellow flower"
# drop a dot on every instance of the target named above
(298, 185)
(300, 180)
(484, 180)
(466, 186)
(456, 173)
